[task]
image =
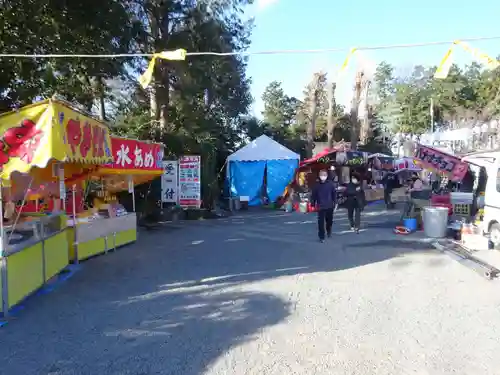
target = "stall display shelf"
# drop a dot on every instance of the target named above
(26, 266)
(374, 194)
(100, 235)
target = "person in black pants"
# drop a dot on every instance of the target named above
(355, 202)
(389, 182)
(324, 195)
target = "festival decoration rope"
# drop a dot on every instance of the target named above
(181, 54)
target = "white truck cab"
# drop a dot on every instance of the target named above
(490, 161)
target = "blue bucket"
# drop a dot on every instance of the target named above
(411, 224)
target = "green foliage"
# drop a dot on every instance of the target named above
(61, 27)
(285, 118)
(201, 105)
(403, 104)
(192, 107)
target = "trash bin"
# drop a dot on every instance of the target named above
(435, 221)
(236, 203)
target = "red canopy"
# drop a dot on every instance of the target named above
(326, 154)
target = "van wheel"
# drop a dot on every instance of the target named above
(495, 235)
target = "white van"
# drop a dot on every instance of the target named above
(490, 161)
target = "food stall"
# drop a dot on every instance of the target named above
(340, 161)
(46, 145)
(107, 225)
(456, 171)
(378, 165)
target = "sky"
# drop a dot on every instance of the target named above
(322, 24)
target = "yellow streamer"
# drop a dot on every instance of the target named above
(347, 59)
(483, 58)
(445, 65)
(177, 55)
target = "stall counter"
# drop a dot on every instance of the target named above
(28, 265)
(88, 239)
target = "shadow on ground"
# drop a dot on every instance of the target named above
(162, 307)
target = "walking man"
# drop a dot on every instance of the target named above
(389, 182)
(324, 196)
(356, 201)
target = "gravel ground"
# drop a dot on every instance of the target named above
(258, 295)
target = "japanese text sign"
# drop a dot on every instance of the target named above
(189, 181)
(169, 183)
(85, 138)
(433, 159)
(133, 154)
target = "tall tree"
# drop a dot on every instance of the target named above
(280, 110)
(55, 27)
(356, 101)
(331, 118)
(314, 98)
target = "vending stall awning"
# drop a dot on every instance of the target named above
(50, 130)
(139, 161)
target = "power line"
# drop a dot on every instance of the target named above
(250, 53)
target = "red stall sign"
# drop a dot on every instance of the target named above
(442, 162)
(134, 154)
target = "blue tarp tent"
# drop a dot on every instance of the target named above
(263, 157)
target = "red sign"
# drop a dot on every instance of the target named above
(86, 139)
(134, 154)
(438, 160)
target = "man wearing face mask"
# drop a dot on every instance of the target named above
(355, 202)
(324, 195)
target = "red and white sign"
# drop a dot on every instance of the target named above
(134, 154)
(437, 160)
(190, 181)
(407, 164)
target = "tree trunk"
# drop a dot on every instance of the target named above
(331, 120)
(165, 77)
(165, 97)
(154, 100)
(355, 112)
(311, 128)
(365, 128)
(102, 98)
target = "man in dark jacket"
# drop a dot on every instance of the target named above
(324, 195)
(389, 181)
(355, 203)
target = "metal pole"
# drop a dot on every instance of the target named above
(131, 188)
(62, 187)
(432, 116)
(2, 237)
(3, 260)
(75, 226)
(74, 203)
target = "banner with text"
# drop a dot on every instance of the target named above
(189, 181)
(452, 166)
(132, 154)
